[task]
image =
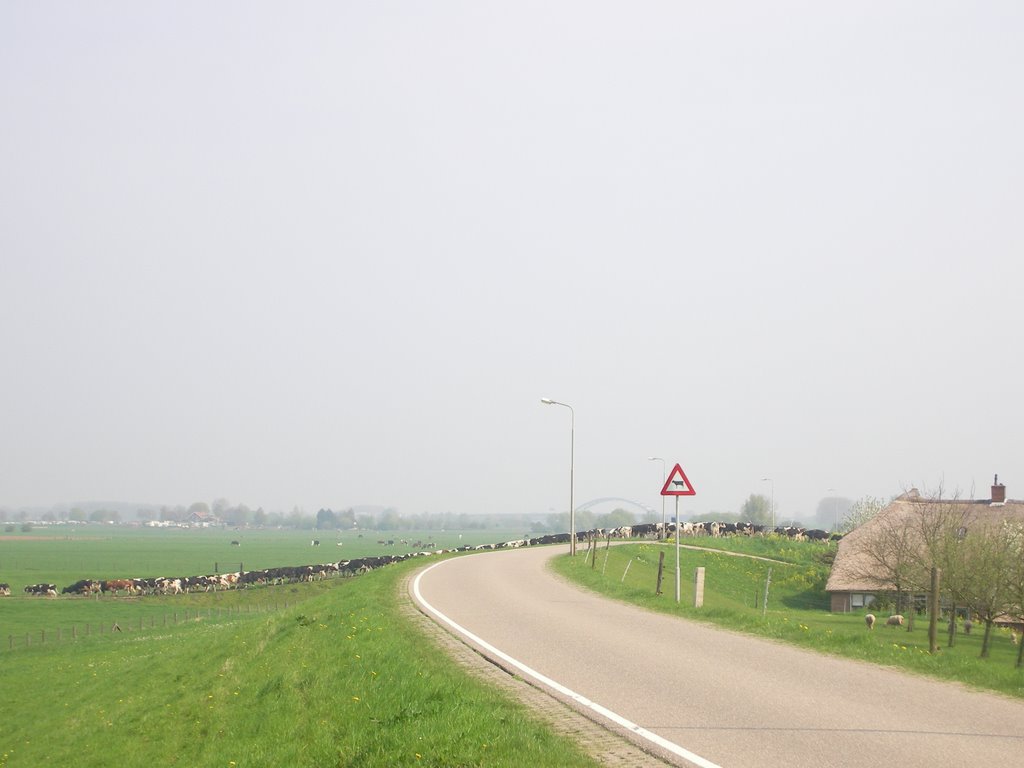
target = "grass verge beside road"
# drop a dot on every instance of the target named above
(338, 678)
(797, 610)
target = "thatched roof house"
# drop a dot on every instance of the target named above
(857, 578)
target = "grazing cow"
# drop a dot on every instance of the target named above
(894, 621)
(83, 587)
(169, 586)
(46, 590)
(119, 585)
(869, 619)
(5, 590)
(315, 543)
(236, 544)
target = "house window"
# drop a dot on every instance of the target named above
(861, 601)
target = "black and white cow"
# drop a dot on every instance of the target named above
(5, 590)
(83, 587)
(44, 590)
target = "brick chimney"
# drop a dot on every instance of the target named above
(998, 491)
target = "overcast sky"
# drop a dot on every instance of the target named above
(334, 254)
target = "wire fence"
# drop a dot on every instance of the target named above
(108, 628)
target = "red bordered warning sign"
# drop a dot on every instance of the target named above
(678, 484)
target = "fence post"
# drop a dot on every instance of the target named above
(764, 604)
(661, 571)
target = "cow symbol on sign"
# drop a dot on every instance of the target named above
(678, 484)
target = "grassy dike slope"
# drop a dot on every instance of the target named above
(340, 678)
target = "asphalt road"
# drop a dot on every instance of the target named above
(708, 697)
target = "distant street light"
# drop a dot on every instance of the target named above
(658, 458)
(572, 451)
(770, 480)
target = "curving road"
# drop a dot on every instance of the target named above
(706, 697)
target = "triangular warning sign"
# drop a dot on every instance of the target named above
(678, 484)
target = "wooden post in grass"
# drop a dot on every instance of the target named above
(661, 570)
(764, 602)
(933, 613)
(698, 587)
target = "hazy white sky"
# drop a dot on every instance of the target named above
(331, 254)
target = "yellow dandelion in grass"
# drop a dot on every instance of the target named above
(355, 698)
(419, 756)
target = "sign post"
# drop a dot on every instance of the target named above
(677, 484)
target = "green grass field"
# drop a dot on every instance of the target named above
(338, 678)
(65, 554)
(331, 673)
(797, 609)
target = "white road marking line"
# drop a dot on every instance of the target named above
(582, 700)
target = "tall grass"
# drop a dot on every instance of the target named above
(797, 609)
(337, 679)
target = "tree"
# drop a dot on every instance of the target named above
(1014, 533)
(198, 508)
(389, 520)
(259, 517)
(173, 514)
(756, 509)
(326, 519)
(831, 510)
(893, 553)
(978, 560)
(615, 519)
(860, 512)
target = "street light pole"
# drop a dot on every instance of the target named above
(572, 459)
(658, 458)
(770, 480)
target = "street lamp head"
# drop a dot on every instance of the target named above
(655, 458)
(547, 401)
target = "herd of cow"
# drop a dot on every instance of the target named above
(292, 574)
